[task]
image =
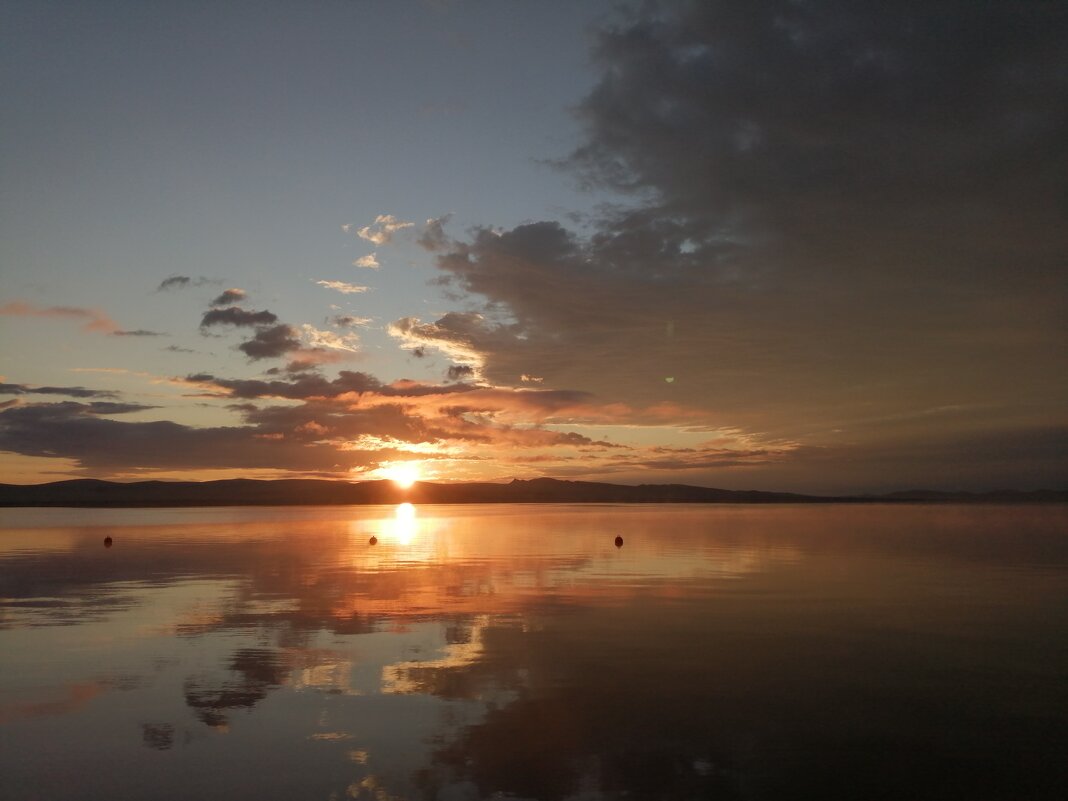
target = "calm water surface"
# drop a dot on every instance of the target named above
(763, 652)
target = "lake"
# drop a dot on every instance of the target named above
(721, 651)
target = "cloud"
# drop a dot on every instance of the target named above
(236, 316)
(230, 296)
(317, 338)
(271, 342)
(93, 320)
(45, 412)
(308, 386)
(370, 261)
(342, 287)
(432, 237)
(73, 392)
(355, 421)
(462, 336)
(381, 231)
(828, 220)
(307, 346)
(348, 321)
(315, 437)
(826, 214)
(77, 431)
(174, 282)
(459, 371)
(183, 282)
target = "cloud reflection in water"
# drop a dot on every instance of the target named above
(518, 650)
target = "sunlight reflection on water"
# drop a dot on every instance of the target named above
(736, 652)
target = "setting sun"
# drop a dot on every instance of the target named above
(403, 474)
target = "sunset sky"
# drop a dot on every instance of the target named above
(782, 245)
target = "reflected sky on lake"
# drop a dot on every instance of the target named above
(725, 651)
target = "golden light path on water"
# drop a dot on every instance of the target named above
(403, 529)
(404, 524)
(432, 662)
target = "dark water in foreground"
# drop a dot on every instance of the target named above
(765, 652)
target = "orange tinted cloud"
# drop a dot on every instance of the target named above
(91, 319)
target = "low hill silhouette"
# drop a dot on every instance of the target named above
(90, 492)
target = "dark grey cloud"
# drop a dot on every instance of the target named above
(229, 297)
(272, 342)
(138, 332)
(315, 421)
(271, 338)
(314, 385)
(459, 371)
(107, 407)
(79, 431)
(174, 282)
(831, 213)
(432, 235)
(54, 412)
(72, 392)
(236, 316)
(1027, 456)
(183, 282)
(305, 386)
(839, 229)
(346, 321)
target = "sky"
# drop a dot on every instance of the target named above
(754, 244)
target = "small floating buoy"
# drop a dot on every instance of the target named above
(107, 542)
(619, 542)
(373, 540)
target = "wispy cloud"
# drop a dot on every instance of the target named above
(381, 231)
(343, 287)
(71, 392)
(317, 338)
(464, 337)
(183, 282)
(349, 321)
(355, 421)
(92, 320)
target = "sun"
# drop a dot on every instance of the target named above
(403, 474)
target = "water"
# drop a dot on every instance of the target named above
(753, 652)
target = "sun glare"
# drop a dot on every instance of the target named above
(403, 474)
(404, 524)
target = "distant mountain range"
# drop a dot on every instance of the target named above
(297, 492)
